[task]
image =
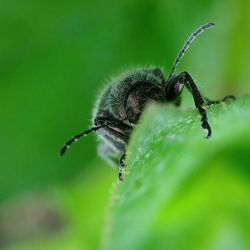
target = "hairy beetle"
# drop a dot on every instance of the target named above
(122, 102)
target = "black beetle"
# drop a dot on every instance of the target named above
(122, 102)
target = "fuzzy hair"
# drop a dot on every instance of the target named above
(113, 97)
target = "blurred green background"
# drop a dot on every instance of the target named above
(55, 56)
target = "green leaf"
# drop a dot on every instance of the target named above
(181, 190)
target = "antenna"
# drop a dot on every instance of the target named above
(83, 133)
(185, 47)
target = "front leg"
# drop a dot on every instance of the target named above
(185, 79)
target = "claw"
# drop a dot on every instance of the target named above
(121, 167)
(206, 126)
(121, 176)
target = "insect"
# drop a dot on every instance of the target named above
(122, 102)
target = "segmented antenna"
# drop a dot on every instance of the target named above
(78, 136)
(185, 47)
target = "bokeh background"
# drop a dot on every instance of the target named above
(55, 56)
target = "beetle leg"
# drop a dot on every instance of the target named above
(116, 139)
(185, 79)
